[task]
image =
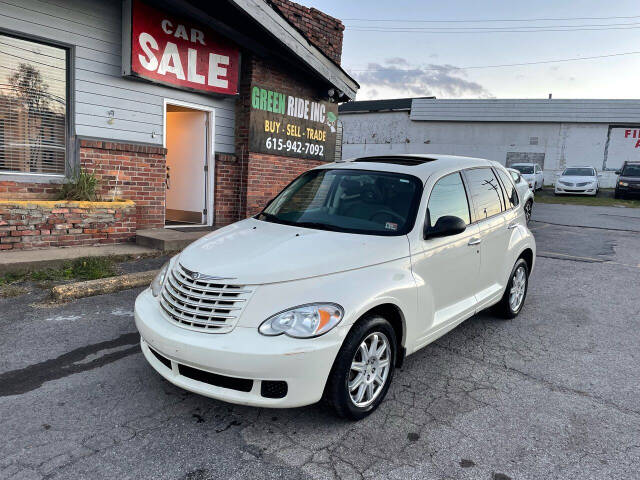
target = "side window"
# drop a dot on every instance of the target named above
(510, 188)
(448, 197)
(485, 191)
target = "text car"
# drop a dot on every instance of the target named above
(352, 267)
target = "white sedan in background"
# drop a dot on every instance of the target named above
(578, 181)
(524, 192)
(532, 173)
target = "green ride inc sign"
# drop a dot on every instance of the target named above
(291, 126)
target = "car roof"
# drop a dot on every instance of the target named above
(421, 166)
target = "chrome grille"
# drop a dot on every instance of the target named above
(582, 184)
(205, 304)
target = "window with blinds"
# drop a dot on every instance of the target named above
(33, 107)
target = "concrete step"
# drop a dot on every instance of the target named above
(167, 239)
(31, 260)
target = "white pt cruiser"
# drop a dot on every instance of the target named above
(352, 267)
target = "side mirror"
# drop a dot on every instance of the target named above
(444, 227)
(600, 174)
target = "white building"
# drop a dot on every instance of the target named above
(553, 133)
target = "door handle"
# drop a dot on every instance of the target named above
(512, 226)
(474, 241)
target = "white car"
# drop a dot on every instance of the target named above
(532, 173)
(578, 181)
(352, 267)
(525, 193)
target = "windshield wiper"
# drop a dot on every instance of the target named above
(269, 217)
(321, 226)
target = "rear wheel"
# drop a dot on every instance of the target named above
(363, 369)
(516, 291)
(528, 210)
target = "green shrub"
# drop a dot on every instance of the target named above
(80, 186)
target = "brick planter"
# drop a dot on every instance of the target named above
(34, 224)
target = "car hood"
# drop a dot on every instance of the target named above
(528, 176)
(573, 179)
(254, 252)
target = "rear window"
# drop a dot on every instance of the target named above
(524, 169)
(485, 191)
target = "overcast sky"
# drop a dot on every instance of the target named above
(412, 63)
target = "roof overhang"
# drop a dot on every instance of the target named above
(306, 52)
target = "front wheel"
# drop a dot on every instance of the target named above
(363, 369)
(516, 291)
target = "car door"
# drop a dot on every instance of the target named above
(491, 217)
(446, 268)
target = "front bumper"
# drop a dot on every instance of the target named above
(242, 353)
(590, 190)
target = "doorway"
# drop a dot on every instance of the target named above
(188, 139)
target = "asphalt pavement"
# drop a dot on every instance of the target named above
(551, 394)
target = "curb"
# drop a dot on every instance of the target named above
(102, 286)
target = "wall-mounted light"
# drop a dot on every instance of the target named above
(111, 117)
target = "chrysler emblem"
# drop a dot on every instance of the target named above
(202, 276)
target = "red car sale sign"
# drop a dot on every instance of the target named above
(174, 51)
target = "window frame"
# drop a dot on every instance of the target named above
(475, 219)
(71, 142)
(466, 193)
(504, 189)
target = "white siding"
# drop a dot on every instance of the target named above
(564, 144)
(94, 28)
(517, 110)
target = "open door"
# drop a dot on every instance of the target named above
(187, 153)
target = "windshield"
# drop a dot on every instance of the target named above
(525, 169)
(579, 172)
(631, 171)
(354, 201)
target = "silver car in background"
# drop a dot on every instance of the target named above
(526, 194)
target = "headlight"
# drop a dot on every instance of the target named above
(305, 321)
(623, 184)
(156, 285)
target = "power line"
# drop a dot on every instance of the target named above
(497, 66)
(411, 20)
(458, 31)
(501, 28)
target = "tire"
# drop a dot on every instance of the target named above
(528, 209)
(337, 392)
(506, 308)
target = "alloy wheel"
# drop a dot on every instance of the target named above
(369, 369)
(528, 208)
(518, 288)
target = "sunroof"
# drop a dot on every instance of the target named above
(406, 161)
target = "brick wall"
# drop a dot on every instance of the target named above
(44, 224)
(324, 31)
(11, 190)
(131, 172)
(247, 180)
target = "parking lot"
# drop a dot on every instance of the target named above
(551, 394)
